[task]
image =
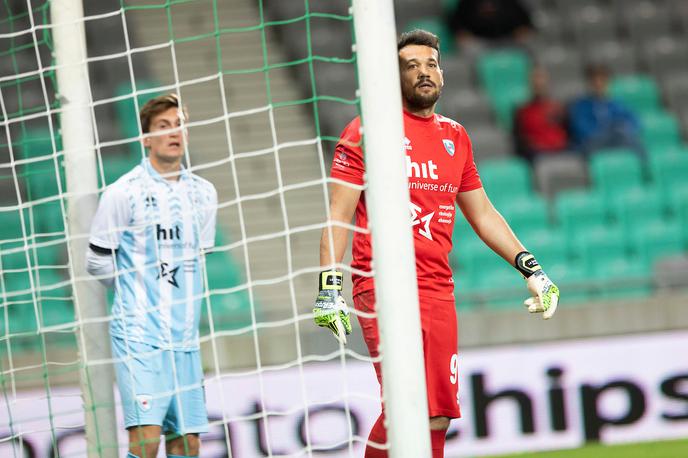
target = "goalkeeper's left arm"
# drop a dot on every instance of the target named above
(496, 233)
(330, 309)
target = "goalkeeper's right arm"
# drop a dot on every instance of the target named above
(100, 264)
(330, 308)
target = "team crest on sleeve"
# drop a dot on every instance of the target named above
(449, 146)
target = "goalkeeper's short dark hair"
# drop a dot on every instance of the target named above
(158, 105)
(419, 37)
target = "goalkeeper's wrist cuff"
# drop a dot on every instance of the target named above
(526, 264)
(330, 280)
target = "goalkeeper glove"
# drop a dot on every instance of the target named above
(330, 309)
(545, 294)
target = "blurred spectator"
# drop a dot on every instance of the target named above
(492, 20)
(596, 121)
(539, 124)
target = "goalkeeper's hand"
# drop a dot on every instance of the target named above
(330, 309)
(545, 294)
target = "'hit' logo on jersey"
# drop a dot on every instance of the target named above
(173, 233)
(421, 169)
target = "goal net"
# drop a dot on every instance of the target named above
(269, 85)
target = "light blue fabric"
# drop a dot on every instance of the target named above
(160, 387)
(131, 455)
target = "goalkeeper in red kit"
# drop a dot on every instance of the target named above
(441, 172)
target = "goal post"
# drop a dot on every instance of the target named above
(90, 306)
(388, 204)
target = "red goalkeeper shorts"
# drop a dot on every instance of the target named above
(440, 347)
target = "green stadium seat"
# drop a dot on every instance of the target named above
(41, 175)
(14, 256)
(550, 246)
(116, 166)
(639, 93)
(525, 213)
(661, 150)
(230, 310)
(504, 76)
(579, 210)
(506, 179)
(660, 129)
(502, 287)
(11, 225)
(439, 27)
(655, 239)
(48, 216)
(678, 205)
(670, 171)
(127, 113)
(623, 278)
(615, 171)
(601, 245)
(637, 206)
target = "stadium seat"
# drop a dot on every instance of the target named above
(439, 27)
(127, 114)
(639, 93)
(560, 172)
(579, 210)
(644, 19)
(623, 278)
(526, 212)
(506, 99)
(654, 239)
(48, 216)
(670, 170)
(593, 24)
(11, 225)
(637, 206)
(502, 287)
(665, 55)
(490, 142)
(601, 245)
(678, 204)
(504, 75)
(41, 175)
(572, 279)
(506, 179)
(615, 170)
(655, 152)
(230, 310)
(550, 246)
(614, 54)
(116, 166)
(660, 129)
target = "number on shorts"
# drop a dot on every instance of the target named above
(454, 368)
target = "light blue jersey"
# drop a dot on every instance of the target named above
(159, 228)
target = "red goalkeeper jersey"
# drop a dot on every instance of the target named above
(439, 164)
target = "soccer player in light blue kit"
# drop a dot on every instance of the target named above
(148, 238)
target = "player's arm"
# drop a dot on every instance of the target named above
(491, 227)
(330, 308)
(106, 232)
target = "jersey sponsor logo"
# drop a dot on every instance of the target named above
(172, 233)
(421, 169)
(407, 144)
(422, 221)
(170, 275)
(449, 146)
(145, 402)
(151, 201)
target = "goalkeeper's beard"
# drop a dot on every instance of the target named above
(416, 101)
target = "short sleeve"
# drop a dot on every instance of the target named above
(347, 164)
(209, 220)
(111, 219)
(470, 179)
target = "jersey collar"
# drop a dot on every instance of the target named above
(145, 163)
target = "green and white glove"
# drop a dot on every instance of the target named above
(545, 294)
(330, 309)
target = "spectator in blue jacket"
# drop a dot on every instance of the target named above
(596, 121)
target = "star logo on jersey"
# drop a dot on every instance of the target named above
(424, 221)
(407, 144)
(169, 274)
(449, 146)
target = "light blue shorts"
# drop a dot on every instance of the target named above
(160, 387)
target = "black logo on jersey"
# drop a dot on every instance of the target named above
(169, 274)
(173, 233)
(151, 201)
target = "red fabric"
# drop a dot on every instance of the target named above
(437, 438)
(439, 165)
(377, 436)
(540, 125)
(440, 348)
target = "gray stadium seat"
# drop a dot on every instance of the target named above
(567, 89)
(618, 56)
(675, 86)
(671, 272)
(645, 19)
(560, 61)
(490, 142)
(458, 72)
(665, 55)
(334, 79)
(468, 106)
(560, 172)
(549, 25)
(592, 24)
